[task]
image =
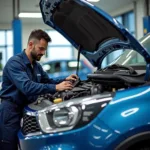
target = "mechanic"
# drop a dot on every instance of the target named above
(23, 81)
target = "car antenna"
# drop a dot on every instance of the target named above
(78, 59)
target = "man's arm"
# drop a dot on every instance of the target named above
(17, 74)
(46, 79)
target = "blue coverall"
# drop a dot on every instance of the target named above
(21, 85)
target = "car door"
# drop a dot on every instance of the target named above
(53, 68)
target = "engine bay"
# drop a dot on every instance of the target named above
(81, 88)
(110, 79)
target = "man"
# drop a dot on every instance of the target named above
(23, 80)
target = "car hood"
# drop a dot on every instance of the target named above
(90, 30)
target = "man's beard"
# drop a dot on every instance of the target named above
(34, 55)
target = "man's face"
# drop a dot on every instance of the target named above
(39, 49)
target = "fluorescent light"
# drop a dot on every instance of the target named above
(93, 0)
(30, 15)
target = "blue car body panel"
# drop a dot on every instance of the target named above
(47, 8)
(97, 138)
(129, 111)
(126, 115)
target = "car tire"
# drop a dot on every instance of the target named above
(142, 145)
(139, 141)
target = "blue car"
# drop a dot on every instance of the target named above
(108, 111)
(65, 67)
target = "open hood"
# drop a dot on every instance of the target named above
(90, 30)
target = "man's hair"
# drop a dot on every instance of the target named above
(39, 34)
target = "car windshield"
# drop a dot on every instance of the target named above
(131, 57)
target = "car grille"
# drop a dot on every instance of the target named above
(30, 125)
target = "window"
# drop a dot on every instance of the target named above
(59, 48)
(57, 67)
(72, 65)
(128, 21)
(52, 67)
(6, 46)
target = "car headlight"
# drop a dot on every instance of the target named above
(71, 114)
(66, 116)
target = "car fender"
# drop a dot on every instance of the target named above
(129, 110)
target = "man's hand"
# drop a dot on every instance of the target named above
(65, 85)
(72, 77)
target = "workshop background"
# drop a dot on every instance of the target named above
(15, 26)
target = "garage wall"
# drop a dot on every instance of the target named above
(27, 28)
(140, 12)
(138, 7)
(123, 10)
(5, 26)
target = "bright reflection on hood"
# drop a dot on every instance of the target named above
(130, 97)
(129, 112)
(132, 57)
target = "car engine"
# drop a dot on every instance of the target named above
(82, 88)
(110, 79)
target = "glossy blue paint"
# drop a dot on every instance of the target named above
(47, 7)
(27, 109)
(129, 111)
(126, 115)
(147, 72)
(94, 136)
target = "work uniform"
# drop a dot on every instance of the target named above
(22, 83)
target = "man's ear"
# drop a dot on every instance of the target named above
(30, 44)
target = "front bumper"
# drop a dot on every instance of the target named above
(94, 136)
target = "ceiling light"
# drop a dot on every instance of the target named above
(93, 0)
(30, 15)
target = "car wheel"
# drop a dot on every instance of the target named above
(139, 141)
(142, 145)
